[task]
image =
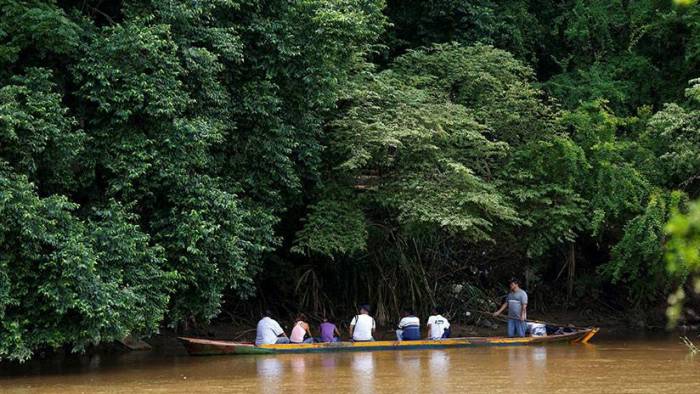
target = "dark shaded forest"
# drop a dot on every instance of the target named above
(170, 162)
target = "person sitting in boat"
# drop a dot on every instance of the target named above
(516, 302)
(329, 332)
(438, 325)
(362, 326)
(409, 327)
(300, 330)
(269, 331)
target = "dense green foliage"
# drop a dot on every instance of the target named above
(148, 150)
(163, 160)
(683, 256)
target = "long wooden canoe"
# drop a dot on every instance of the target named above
(208, 347)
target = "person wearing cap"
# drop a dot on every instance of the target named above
(362, 326)
(269, 331)
(516, 302)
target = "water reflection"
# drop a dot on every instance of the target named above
(270, 369)
(269, 366)
(661, 367)
(409, 367)
(519, 364)
(329, 361)
(539, 356)
(363, 363)
(409, 362)
(438, 369)
(298, 363)
(95, 363)
(439, 363)
(363, 372)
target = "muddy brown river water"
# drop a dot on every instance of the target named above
(605, 366)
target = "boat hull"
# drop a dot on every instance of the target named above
(207, 347)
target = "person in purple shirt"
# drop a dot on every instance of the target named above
(329, 332)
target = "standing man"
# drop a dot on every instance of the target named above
(516, 302)
(362, 326)
(269, 331)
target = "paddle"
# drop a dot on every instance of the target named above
(504, 319)
(242, 333)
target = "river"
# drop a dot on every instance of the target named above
(607, 365)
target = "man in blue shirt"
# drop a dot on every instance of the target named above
(516, 302)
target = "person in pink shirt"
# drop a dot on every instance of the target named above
(300, 330)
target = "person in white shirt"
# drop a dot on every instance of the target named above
(438, 326)
(269, 331)
(362, 326)
(409, 327)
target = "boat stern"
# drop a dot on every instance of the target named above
(207, 347)
(590, 335)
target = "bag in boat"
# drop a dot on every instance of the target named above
(537, 329)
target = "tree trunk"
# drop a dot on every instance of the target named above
(571, 272)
